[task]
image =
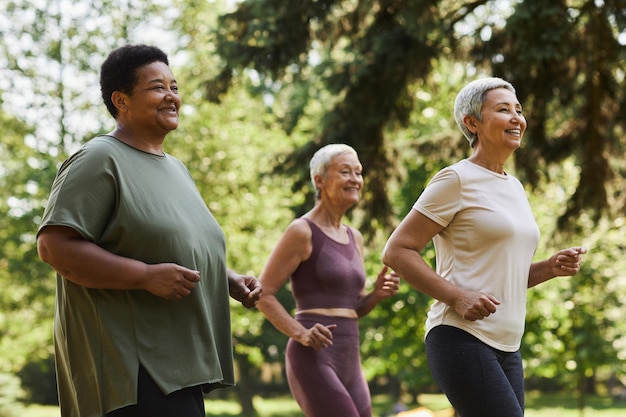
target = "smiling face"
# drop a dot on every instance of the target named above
(343, 180)
(154, 102)
(502, 125)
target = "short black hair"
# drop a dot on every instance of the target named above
(119, 71)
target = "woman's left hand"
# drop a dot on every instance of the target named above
(387, 284)
(244, 288)
(566, 262)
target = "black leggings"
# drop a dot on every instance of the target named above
(478, 380)
(151, 402)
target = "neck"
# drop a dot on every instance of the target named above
(326, 216)
(142, 142)
(495, 164)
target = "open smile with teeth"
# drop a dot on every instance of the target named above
(516, 132)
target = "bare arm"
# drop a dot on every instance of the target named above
(293, 248)
(565, 262)
(386, 285)
(91, 266)
(403, 254)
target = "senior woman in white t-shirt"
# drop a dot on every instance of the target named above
(485, 237)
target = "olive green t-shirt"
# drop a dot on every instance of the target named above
(145, 207)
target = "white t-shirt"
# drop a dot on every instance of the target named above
(487, 244)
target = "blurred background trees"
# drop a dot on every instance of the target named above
(267, 82)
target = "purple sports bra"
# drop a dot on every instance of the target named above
(332, 277)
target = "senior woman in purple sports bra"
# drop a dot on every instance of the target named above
(323, 258)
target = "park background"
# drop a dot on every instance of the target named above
(264, 84)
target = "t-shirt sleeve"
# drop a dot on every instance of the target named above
(83, 193)
(441, 199)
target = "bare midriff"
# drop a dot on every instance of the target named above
(333, 312)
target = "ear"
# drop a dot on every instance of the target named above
(319, 181)
(120, 101)
(470, 122)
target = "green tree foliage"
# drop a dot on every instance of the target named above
(11, 393)
(27, 296)
(51, 53)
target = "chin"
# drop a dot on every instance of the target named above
(170, 127)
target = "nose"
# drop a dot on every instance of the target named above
(519, 120)
(172, 95)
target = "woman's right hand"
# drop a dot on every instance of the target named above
(317, 337)
(474, 305)
(170, 281)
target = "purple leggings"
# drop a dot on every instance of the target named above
(329, 383)
(479, 381)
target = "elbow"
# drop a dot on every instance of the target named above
(387, 256)
(49, 244)
(43, 249)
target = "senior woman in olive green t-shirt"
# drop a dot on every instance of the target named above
(142, 322)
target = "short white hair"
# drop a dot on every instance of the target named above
(470, 100)
(321, 160)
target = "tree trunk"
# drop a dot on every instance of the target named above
(244, 387)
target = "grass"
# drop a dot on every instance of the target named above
(537, 405)
(556, 405)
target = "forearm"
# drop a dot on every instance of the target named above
(89, 265)
(232, 275)
(411, 267)
(540, 272)
(367, 304)
(279, 317)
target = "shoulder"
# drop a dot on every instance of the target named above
(447, 180)
(299, 229)
(101, 143)
(296, 241)
(358, 237)
(464, 173)
(450, 173)
(89, 159)
(100, 148)
(458, 169)
(517, 185)
(356, 233)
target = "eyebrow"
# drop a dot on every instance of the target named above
(508, 104)
(161, 80)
